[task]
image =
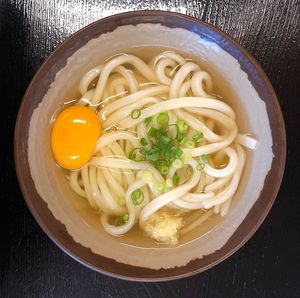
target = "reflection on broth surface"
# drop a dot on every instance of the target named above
(168, 164)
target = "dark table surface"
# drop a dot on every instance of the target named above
(268, 265)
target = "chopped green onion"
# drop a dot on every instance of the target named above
(203, 162)
(177, 164)
(169, 153)
(204, 158)
(135, 113)
(163, 119)
(163, 132)
(164, 170)
(164, 140)
(178, 152)
(169, 182)
(121, 201)
(152, 154)
(132, 154)
(147, 120)
(158, 187)
(182, 126)
(137, 197)
(198, 136)
(190, 144)
(173, 153)
(160, 163)
(180, 136)
(152, 132)
(121, 220)
(143, 142)
(143, 151)
(200, 166)
(155, 146)
(147, 176)
(182, 139)
(160, 120)
(163, 150)
(175, 179)
(186, 157)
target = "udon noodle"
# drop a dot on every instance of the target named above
(169, 146)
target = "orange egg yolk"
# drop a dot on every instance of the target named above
(74, 136)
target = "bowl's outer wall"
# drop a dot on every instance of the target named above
(38, 88)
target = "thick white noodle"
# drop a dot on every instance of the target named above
(230, 190)
(114, 106)
(180, 76)
(200, 80)
(177, 103)
(161, 68)
(139, 64)
(117, 116)
(74, 182)
(228, 169)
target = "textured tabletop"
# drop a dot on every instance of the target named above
(268, 265)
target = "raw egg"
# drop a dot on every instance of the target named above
(74, 136)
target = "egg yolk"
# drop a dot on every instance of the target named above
(74, 136)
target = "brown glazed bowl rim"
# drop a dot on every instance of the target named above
(57, 231)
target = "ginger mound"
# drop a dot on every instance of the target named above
(163, 226)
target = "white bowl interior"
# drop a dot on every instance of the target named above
(81, 222)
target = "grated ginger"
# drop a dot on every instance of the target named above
(163, 226)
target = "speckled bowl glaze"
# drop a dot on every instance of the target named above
(52, 224)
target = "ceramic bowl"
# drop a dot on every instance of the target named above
(45, 188)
